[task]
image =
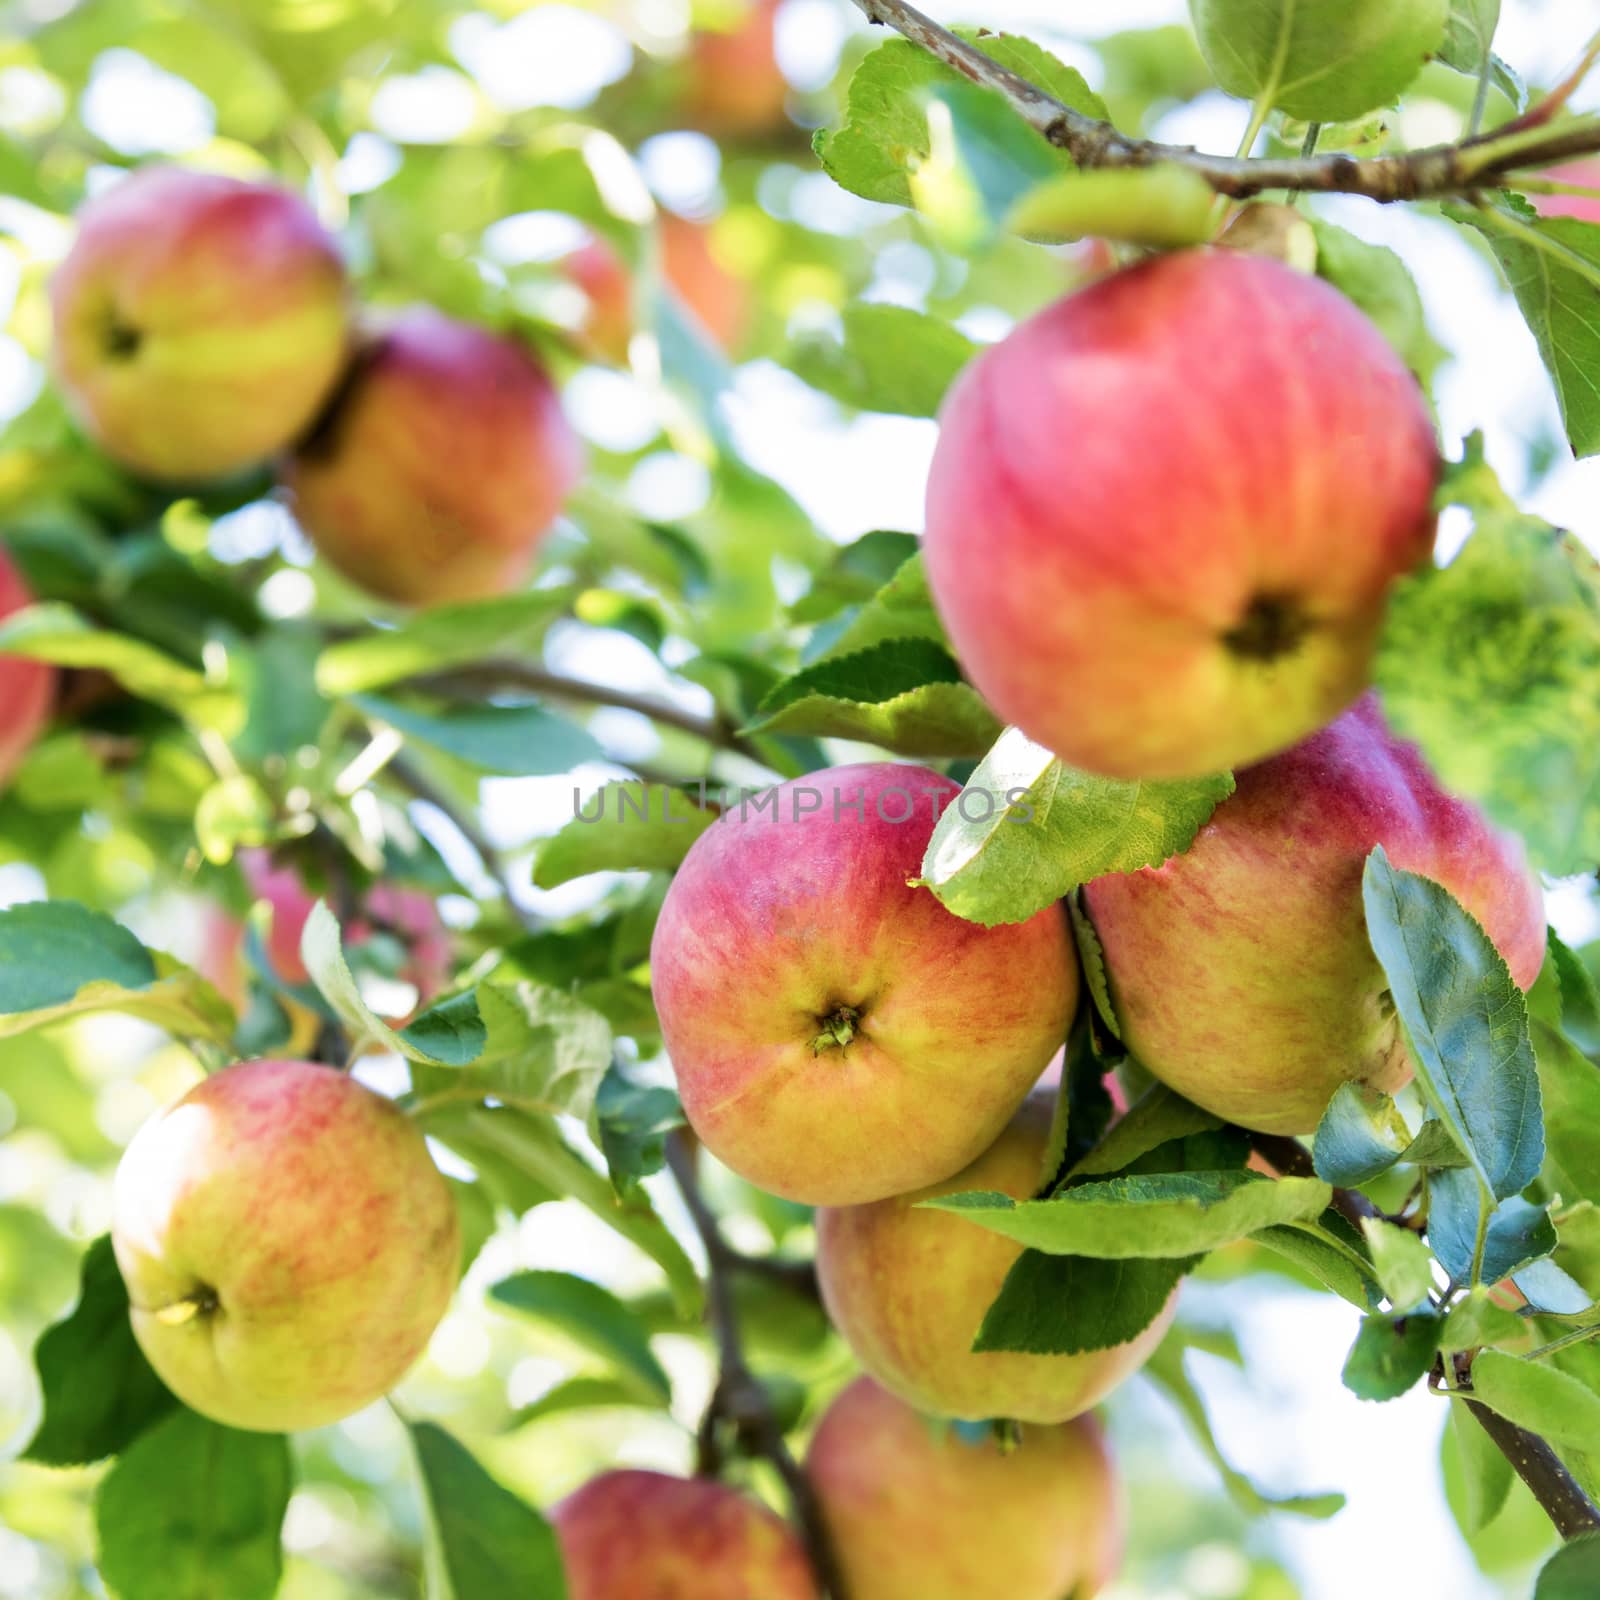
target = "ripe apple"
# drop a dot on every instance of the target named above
(1163, 513)
(1241, 970)
(1583, 207)
(596, 268)
(735, 85)
(918, 1512)
(909, 1290)
(632, 1535)
(26, 687)
(287, 1243)
(837, 1035)
(441, 465)
(718, 301)
(201, 322)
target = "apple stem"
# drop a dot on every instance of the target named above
(838, 1029)
(201, 1303)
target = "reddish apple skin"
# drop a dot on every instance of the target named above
(599, 271)
(917, 1512)
(1163, 514)
(716, 299)
(1241, 970)
(26, 687)
(442, 464)
(201, 322)
(303, 1216)
(1582, 207)
(778, 922)
(633, 1535)
(909, 1290)
(735, 84)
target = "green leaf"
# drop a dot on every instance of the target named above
(441, 637)
(1062, 1305)
(1331, 1261)
(1475, 1320)
(1469, 34)
(1549, 1403)
(1028, 829)
(452, 1031)
(1570, 1083)
(855, 574)
(516, 741)
(1573, 1572)
(1164, 206)
(1518, 1233)
(1163, 1214)
(193, 1510)
(579, 1394)
(626, 827)
(1553, 267)
(633, 1119)
(1361, 1135)
(1377, 280)
(1486, 1474)
(234, 811)
(1318, 60)
(1466, 1022)
(1390, 1356)
(902, 609)
(592, 1317)
(906, 695)
(1157, 1117)
(1580, 1001)
(1492, 666)
(1402, 1261)
(99, 1392)
(483, 1540)
(891, 359)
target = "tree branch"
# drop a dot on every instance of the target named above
(740, 1400)
(1474, 164)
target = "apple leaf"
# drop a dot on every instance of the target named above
(483, 1539)
(1578, 999)
(1570, 1083)
(905, 695)
(1552, 1404)
(579, 1394)
(1492, 666)
(1549, 1288)
(1478, 1488)
(1329, 1260)
(1062, 1305)
(1468, 46)
(856, 573)
(1361, 1135)
(1164, 206)
(1157, 1117)
(99, 1392)
(1518, 1232)
(1475, 1320)
(1553, 267)
(1028, 829)
(1377, 280)
(890, 359)
(901, 609)
(1573, 1572)
(524, 741)
(193, 1510)
(633, 1119)
(626, 827)
(1403, 1264)
(1156, 1215)
(1466, 1022)
(441, 637)
(1318, 60)
(592, 1317)
(1390, 1356)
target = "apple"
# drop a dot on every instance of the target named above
(837, 1035)
(632, 1535)
(1241, 970)
(27, 688)
(287, 1243)
(1583, 207)
(718, 301)
(595, 267)
(441, 465)
(735, 85)
(909, 1290)
(1163, 513)
(201, 323)
(919, 1512)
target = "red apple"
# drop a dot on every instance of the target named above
(599, 271)
(1584, 207)
(909, 1290)
(26, 687)
(735, 85)
(443, 462)
(718, 301)
(646, 1536)
(1241, 970)
(918, 1512)
(287, 1243)
(1163, 514)
(838, 1035)
(201, 322)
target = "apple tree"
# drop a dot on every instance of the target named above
(585, 1016)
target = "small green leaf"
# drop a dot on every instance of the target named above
(1062, 1305)
(1377, 280)
(1580, 1001)
(1570, 1084)
(634, 1119)
(1403, 1263)
(1475, 1320)
(1390, 1356)
(1573, 1572)
(626, 827)
(194, 1510)
(1164, 206)
(1361, 1135)
(891, 359)
(1466, 1022)
(1486, 1474)
(523, 741)
(1333, 1262)
(1028, 829)
(1157, 1117)
(1165, 1214)
(1549, 1403)
(483, 1540)
(902, 609)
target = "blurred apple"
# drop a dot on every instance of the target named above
(718, 301)
(735, 85)
(596, 267)
(26, 687)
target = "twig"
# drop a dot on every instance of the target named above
(1293, 1161)
(739, 1399)
(1458, 169)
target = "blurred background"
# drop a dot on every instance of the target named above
(443, 141)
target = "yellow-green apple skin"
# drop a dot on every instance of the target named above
(917, 1511)
(287, 1243)
(837, 1035)
(632, 1535)
(201, 322)
(441, 465)
(1241, 971)
(26, 687)
(909, 1289)
(1164, 513)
